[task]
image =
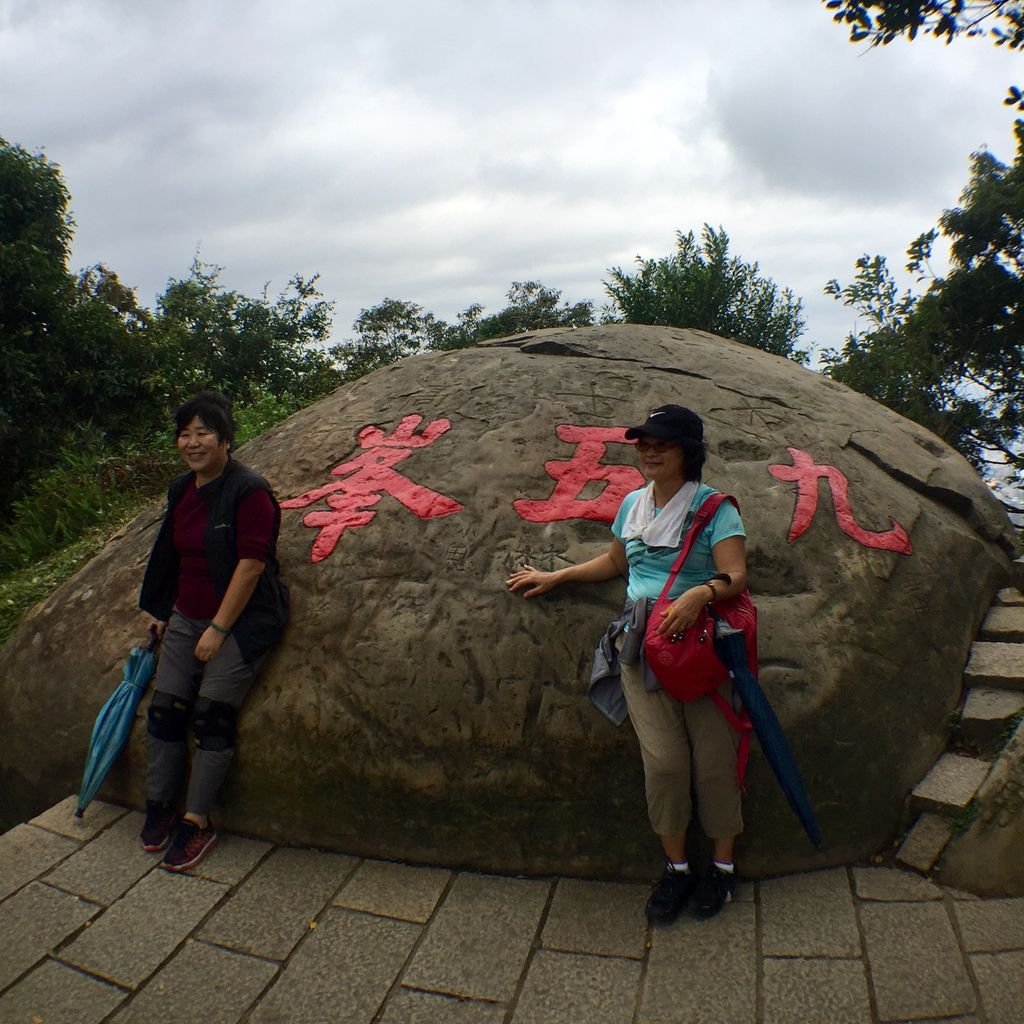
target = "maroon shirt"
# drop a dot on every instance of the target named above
(254, 528)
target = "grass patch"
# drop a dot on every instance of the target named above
(22, 589)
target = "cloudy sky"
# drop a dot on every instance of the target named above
(438, 151)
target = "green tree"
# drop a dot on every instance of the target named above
(532, 307)
(881, 22)
(70, 346)
(703, 287)
(952, 358)
(207, 336)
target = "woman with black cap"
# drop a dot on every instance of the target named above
(682, 744)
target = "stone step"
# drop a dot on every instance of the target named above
(925, 842)
(987, 716)
(995, 664)
(1004, 624)
(1010, 596)
(950, 785)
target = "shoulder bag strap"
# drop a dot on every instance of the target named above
(700, 520)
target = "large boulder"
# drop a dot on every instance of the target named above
(417, 710)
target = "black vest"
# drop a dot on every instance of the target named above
(263, 619)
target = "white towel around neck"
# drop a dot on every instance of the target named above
(664, 529)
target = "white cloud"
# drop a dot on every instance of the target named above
(439, 152)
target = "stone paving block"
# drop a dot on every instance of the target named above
(95, 818)
(803, 991)
(232, 859)
(480, 937)
(225, 985)
(992, 926)
(394, 890)
(893, 884)
(347, 965)
(809, 915)
(995, 664)
(109, 866)
(1001, 983)
(566, 988)
(606, 918)
(55, 994)
(27, 852)
(951, 783)
(1004, 624)
(925, 842)
(407, 1006)
(34, 921)
(986, 716)
(273, 908)
(916, 965)
(703, 971)
(142, 929)
(1010, 596)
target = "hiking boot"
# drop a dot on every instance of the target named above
(669, 896)
(713, 891)
(191, 844)
(156, 832)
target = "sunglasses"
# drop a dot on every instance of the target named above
(652, 444)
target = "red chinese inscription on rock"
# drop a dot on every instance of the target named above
(806, 473)
(363, 480)
(571, 476)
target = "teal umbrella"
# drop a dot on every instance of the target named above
(731, 647)
(114, 722)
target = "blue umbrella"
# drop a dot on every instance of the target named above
(114, 722)
(731, 646)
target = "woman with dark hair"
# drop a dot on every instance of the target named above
(219, 606)
(681, 744)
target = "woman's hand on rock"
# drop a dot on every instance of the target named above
(537, 581)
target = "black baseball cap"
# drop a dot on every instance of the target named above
(669, 423)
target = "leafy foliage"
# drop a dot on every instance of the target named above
(881, 22)
(952, 358)
(210, 337)
(703, 287)
(78, 352)
(395, 328)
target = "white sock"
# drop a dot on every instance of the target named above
(729, 869)
(679, 867)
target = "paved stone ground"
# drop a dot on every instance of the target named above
(92, 932)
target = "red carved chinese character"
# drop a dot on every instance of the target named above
(806, 473)
(573, 475)
(368, 476)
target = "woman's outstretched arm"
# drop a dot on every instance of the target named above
(605, 567)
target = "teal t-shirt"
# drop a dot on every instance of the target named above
(649, 567)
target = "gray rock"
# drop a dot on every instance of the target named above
(986, 717)
(27, 851)
(566, 988)
(950, 784)
(799, 991)
(416, 711)
(394, 890)
(1004, 625)
(1001, 982)
(925, 842)
(995, 664)
(61, 819)
(34, 921)
(809, 915)
(916, 965)
(603, 918)
(985, 857)
(480, 938)
(56, 994)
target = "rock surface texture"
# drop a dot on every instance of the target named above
(417, 711)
